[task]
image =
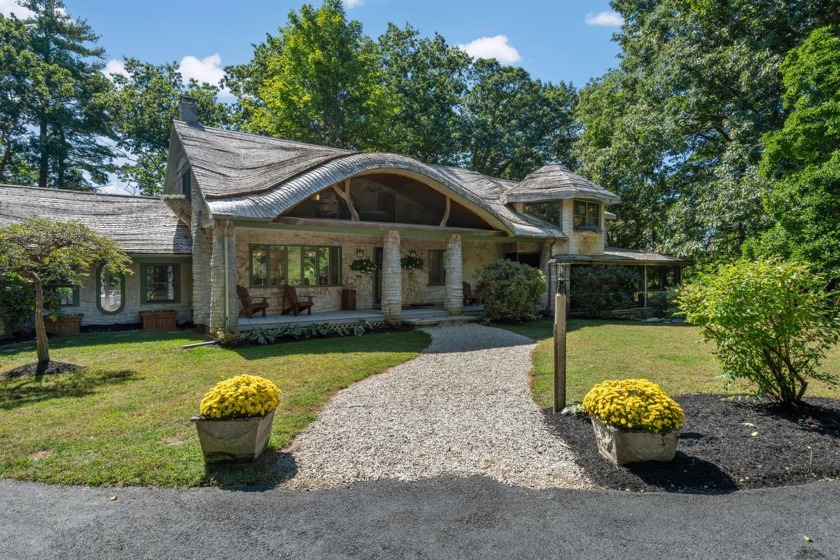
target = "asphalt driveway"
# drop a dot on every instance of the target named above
(437, 518)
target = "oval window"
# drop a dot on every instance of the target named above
(111, 290)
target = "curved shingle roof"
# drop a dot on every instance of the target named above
(557, 182)
(139, 225)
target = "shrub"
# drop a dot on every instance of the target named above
(771, 321)
(636, 405)
(662, 304)
(242, 396)
(17, 300)
(510, 290)
(596, 289)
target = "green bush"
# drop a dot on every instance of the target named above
(662, 304)
(771, 320)
(596, 289)
(510, 290)
(17, 300)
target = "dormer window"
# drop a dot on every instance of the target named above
(587, 215)
(186, 183)
(551, 212)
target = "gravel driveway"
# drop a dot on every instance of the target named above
(462, 408)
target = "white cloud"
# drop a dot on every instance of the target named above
(8, 7)
(606, 19)
(114, 67)
(208, 70)
(349, 4)
(492, 47)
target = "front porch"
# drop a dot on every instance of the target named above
(415, 317)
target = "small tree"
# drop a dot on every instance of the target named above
(42, 252)
(510, 290)
(771, 320)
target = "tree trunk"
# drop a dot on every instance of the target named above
(7, 156)
(40, 331)
(43, 172)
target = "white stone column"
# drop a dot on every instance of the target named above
(224, 303)
(391, 277)
(454, 276)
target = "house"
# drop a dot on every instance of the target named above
(260, 212)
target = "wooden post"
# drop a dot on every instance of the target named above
(559, 351)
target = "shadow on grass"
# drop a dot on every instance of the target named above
(400, 341)
(273, 467)
(23, 391)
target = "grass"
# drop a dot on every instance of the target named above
(124, 419)
(672, 355)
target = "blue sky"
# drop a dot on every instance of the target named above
(549, 38)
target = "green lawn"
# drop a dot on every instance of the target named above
(125, 418)
(672, 355)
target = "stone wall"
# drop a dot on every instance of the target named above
(581, 242)
(131, 310)
(475, 254)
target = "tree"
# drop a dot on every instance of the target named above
(771, 320)
(145, 102)
(697, 88)
(71, 99)
(803, 158)
(43, 252)
(515, 124)
(426, 82)
(317, 81)
(18, 65)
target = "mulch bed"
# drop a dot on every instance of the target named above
(31, 370)
(728, 443)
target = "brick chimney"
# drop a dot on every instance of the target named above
(188, 111)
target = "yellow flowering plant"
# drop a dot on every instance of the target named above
(636, 405)
(242, 396)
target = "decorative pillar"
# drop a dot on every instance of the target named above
(454, 276)
(224, 303)
(391, 277)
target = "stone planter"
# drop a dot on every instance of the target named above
(159, 320)
(68, 324)
(242, 439)
(621, 446)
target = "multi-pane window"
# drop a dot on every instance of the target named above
(437, 267)
(161, 283)
(587, 215)
(551, 212)
(63, 295)
(296, 265)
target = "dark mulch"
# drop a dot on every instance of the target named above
(31, 370)
(718, 451)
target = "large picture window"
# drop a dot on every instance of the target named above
(62, 295)
(161, 283)
(551, 212)
(587, 215)
(296, 265)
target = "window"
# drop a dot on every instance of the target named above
(551, 212)
(587, 215)
(437, 267)
(186, 183)
(160, 283)
(111, 290)
(296, 265)
(63, 295)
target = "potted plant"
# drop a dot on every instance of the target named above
(411, 263)
(236, 418)
(63, 324)
(634, 420)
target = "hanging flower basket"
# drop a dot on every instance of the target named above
(365, 266)
(411, 262)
